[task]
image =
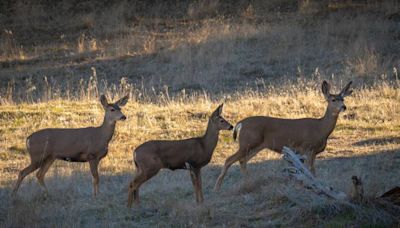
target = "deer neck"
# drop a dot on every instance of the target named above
(210, 138)
(328, 122)
(106, 130)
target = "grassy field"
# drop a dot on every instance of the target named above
(365, 143)
(179, 60)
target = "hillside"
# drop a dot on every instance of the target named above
(216, 46)
(178, 60)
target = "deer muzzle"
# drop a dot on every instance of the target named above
(230, 127)
(123, 118)
(343, 108)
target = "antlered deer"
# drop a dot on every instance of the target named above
(191, 154)
(72, 144)
(308, 136)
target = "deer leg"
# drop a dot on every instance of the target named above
(312, 168)
(199, 185)
(229, 161)
(310, 162)
(135, 184)
(243, 167)
(133, 192)
(32, 167)
(94, 170)
(250, 154)
(243, 162)
(194, 182)
(42, 172)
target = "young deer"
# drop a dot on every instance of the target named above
(308, 136)
(191, 154)
(72, 144)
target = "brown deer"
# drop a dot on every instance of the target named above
(72, 144)
(308, 136)
(191, 154)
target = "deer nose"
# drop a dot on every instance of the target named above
(344, 107)
(123, 118)
(231, 127)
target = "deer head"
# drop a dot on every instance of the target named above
(336, 101)
(219, 121)
(113, 110)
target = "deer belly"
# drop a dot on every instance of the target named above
(176, 166)
(80, 157)
(277, 145)
(309, 147)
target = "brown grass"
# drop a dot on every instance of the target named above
(178, 62)
(265, 198)
(196, 46)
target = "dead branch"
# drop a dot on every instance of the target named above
(299, 172)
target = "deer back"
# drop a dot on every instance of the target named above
(274, 133)
(68, 143)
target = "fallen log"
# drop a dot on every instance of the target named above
(298, 171)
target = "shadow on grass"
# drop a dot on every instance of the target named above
(263, 198)
(378, 141)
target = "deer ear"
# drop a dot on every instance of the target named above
(218, 111)
(346, 91)
(122, 102)
(326, 88)
(103, 100)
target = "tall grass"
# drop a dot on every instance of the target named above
(178, 62)
(364, 143)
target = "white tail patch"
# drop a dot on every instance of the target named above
(236, 131)
(238, 127)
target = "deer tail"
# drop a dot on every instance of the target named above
(236, 130)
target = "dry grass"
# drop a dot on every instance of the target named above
(178, 61)
(365, 143)
(195, 46)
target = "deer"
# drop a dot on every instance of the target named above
(188, 154)
(88, 144)
(307, 136)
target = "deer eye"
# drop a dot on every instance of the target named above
(112, 110)
(221, 120)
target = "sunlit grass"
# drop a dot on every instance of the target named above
(372, 114)
(177, 70)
